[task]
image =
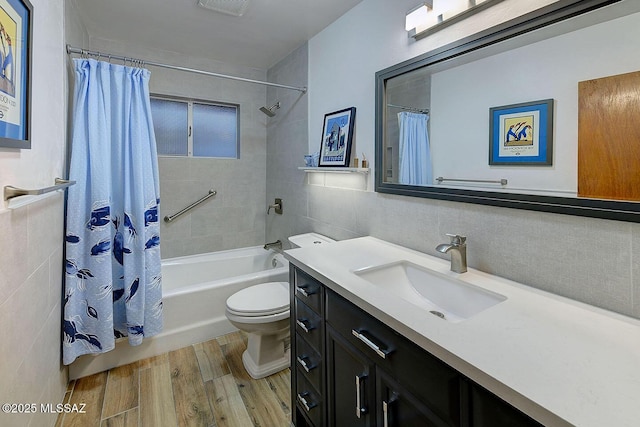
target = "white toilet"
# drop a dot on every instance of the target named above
(262, 311)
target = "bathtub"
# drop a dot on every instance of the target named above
(194, 293)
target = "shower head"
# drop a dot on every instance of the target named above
(270, 111)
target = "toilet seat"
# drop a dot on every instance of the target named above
(261, 300)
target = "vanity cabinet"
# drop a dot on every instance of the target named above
(307, 350)
(350, 369)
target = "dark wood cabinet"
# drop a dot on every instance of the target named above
(351, 370)
(350, 384)
(398, 407)
(487, 410)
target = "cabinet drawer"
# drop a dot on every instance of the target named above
(423, 375)
(309, 401)
(308, 325)
(308, 362)
(309, 290)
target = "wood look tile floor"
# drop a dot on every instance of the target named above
(201, 385)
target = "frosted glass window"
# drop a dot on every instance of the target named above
(171, 125)
(215, 131)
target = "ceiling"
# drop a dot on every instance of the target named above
(267, 32)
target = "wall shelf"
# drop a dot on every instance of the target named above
(334, 170)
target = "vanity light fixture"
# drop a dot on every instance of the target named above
(433, 15)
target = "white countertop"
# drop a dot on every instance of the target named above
(560, 361)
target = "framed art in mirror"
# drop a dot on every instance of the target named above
(16, 34)
(521, 134)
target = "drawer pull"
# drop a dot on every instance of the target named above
(303, 401)
(303, 325)
(385, 409)
(304, 291)
(305, 366)
(369, 343)
(359, 383)
(385, 412)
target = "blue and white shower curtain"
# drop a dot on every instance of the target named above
(414, 151)
(113, 280)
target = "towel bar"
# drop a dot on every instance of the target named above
(10, 191)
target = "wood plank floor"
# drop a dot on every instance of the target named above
(201, 385)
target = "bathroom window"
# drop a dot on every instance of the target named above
(193, 128)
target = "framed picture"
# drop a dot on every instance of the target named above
(521, 134)
(337, 135)
(16, 17)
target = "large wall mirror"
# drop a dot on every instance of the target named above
(553, 86)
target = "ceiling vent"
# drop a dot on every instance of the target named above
(229, 7)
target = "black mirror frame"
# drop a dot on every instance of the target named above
(553, 13)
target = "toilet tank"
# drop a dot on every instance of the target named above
(308, 239)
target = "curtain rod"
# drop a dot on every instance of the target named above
(417, 110)
(74, 50)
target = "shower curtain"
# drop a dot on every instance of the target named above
(414, 151)
(112, 280)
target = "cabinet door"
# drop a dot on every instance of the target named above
(488, 410)
(399, 408)
(350, 384)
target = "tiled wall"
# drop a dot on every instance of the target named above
(235, 217)
(286, 147)
(31, 238)
(30, 309)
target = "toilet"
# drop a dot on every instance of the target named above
(262, 311)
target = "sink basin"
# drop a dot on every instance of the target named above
(443, 296)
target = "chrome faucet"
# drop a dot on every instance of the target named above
(458, 249)
(276, 246)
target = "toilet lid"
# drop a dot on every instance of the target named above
(260, 300)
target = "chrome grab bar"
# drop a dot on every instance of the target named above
(484, 181)
(10, 191)
(170, 218)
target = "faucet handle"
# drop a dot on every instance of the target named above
(457, 239)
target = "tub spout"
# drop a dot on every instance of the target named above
(277, 246)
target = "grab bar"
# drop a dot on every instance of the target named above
(170, 218)
(484, 181)
(10, 191)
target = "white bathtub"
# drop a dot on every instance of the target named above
(194, 292)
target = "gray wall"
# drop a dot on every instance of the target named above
(235, 217)
(589, 260)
